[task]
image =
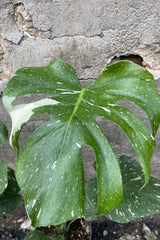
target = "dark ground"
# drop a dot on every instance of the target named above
(148, 228)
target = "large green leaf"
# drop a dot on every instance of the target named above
(3, 133)
(49, 169)
(136, 203)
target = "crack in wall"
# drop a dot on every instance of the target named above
(101, 35)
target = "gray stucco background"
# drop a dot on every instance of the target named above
(88, 34)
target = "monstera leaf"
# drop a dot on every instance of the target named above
(136, 204)
(49, 169)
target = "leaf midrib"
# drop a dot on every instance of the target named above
(70, 120)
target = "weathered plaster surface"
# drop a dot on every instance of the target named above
(86, 33)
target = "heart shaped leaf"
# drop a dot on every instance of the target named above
(49, 169)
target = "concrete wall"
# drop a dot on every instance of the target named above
(88, 34)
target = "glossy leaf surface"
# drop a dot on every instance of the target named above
(49, 169)
(136, 203)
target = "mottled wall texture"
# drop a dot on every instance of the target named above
(88, 34)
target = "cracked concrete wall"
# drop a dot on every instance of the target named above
(86, 33)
